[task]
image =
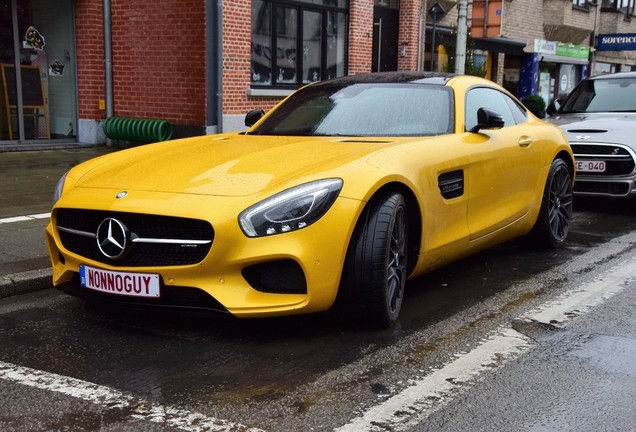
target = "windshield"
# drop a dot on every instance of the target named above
(604, 95)
(363, 110)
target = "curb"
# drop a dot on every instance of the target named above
(25, 282)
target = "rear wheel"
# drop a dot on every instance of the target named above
(555, 216)
(376, 265)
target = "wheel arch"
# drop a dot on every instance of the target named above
(414, 219)
(567, 158)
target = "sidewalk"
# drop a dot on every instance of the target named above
(27, 180)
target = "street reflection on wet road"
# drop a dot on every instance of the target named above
(241, 369)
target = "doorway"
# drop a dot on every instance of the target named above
(40, 101)
(386, 23)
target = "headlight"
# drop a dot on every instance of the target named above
(290, 210)
(57, 193)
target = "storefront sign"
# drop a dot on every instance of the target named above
(616, 42)
(561, 49)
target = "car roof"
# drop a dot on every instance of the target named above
(400, 77)
(614, 75)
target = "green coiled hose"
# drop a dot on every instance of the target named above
(135, 129)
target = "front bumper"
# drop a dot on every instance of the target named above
(604, 186)
(243, 276)
(619, 178)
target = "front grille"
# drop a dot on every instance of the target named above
(158, 228)
(282, 277)
(601, 188)
(619, 161)
(599, 149)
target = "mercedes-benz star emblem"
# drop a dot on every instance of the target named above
(112, 238)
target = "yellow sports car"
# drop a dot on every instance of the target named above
(337, 196)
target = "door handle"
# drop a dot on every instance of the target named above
(525, 141)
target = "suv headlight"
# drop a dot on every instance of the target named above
(290, 210)
(57, 193)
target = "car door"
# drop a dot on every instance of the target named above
(505, 163)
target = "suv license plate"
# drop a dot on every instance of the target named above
(120, 283)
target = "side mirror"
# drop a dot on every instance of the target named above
(253, 116)
(554, 106)
(487, 119)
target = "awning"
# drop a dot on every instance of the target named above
(500, 45)
(551, 58)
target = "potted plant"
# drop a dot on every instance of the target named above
(535, 104)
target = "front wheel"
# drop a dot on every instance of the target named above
(555, 216)
(375, 270)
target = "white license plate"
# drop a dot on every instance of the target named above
(120, 283)
(591, 166)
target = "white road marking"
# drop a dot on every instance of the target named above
(412, 405)
(25, 218)
(576, 302)
(405, 409)
(113, 399)
(428, 395)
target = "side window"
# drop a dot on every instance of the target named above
(483, 97)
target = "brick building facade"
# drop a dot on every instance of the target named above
(163, 65)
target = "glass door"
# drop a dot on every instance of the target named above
(39, 102)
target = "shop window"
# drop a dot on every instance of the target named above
(605, 68)
(308, 44)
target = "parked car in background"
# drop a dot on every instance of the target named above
(599, 119)
(338, 195)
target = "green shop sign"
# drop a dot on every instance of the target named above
(561, 49)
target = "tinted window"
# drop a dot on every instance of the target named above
(616, 94)
(482, 97)
(363, 110)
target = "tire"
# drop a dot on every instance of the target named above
(555, 216)
(375, 271)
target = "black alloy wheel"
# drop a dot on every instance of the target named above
(555, 216)
(375, 270)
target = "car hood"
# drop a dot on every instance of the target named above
(226, 165)
(618, 128)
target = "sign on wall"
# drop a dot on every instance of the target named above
(616, 42)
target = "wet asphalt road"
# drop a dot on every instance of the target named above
(318, 373)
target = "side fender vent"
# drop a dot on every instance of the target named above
(451, 184)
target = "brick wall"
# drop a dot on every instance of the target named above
(90, 57)
(360, 36)
(159, 56)
(523, 20)
(409, 33)
(159, 67)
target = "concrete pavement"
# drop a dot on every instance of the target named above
(27, 181)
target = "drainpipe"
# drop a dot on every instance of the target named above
(108, 61)
(214, 66)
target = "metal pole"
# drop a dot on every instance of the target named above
(433, 40)
(108, 59)
(462, 35)
(219, 64)
(18, 75)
